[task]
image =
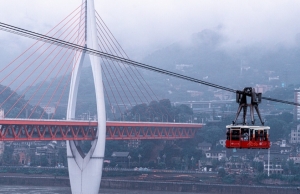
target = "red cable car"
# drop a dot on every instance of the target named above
(246, 136)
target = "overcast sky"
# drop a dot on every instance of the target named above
(143, 26)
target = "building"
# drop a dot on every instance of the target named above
(194, 93)
(295, 157)
(181, 67)
(275, 168)
(217, 155)
(275, 163)
(297, 100)
(209, 106)
(223, 95)
(22, 155)
(135, 143)
(204, 146)
(295, 134)
(121, 159)
(260, 88)
(222, 142)
(237, 163)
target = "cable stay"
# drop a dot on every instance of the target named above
(238, 135)
(73, 46)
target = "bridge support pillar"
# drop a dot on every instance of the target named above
(85, 170)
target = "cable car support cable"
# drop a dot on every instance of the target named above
(48, 39)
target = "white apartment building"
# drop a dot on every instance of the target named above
(295, 135)
(297, 100)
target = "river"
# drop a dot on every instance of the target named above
(4, 189)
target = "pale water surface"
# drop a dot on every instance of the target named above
(11, 189)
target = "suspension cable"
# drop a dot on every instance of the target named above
(41, 37)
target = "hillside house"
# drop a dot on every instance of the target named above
(204, 146)
(218, 155)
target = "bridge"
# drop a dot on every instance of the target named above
(60, 130)
(51, 66)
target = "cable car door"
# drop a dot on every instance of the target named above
(235, 139)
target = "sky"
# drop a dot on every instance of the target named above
(144, 26)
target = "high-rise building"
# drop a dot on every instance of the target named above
(297, 108)
(295, 134)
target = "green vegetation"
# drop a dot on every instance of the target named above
(16, 105)
(161, 111)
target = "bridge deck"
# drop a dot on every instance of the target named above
(56, 130)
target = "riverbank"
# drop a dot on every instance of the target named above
(108, 183)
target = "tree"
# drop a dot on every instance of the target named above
(138, 112)
(166, 108)
(222, 172)
(16, 159)
(165, 104)
(44, 160)
(182, 113)
(286, 117)
(20, 108)
(86, 146)
(212, 134)
(229, 179)
(159, 111)
(113, 146)
(278, 129)
(259, 166)
(8, 155)
(62, 156)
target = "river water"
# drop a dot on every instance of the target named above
(66, 190)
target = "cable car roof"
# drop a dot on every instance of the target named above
(255, 127)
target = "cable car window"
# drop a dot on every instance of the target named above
(260, 135)
(245, 134)
(265, 135)
(235, 134)
(228, 134)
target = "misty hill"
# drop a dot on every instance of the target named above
(205, 57)
(15, 106)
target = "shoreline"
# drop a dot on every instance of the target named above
(109, 183)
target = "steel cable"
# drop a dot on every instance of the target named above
(41, 37)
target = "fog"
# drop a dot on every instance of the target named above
(142, 27)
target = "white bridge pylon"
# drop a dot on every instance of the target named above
(85, 171)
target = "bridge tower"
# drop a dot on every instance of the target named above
(85, 171)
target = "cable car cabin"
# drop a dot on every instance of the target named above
(244, 136)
